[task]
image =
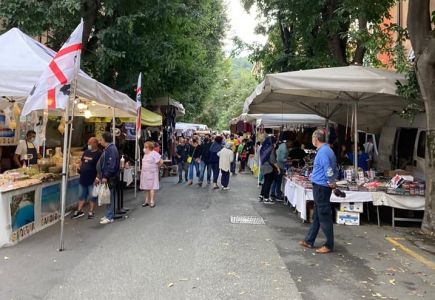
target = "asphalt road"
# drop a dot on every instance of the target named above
(187, 248)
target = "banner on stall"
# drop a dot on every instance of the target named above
(22, 215)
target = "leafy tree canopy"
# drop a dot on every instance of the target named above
(317, 33)
(176, 44)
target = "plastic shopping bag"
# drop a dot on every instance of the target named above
(96, 191)
(104, 195)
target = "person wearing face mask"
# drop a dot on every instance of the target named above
(27, 147)
(88, 173)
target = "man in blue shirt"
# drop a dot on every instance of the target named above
(109, 173)
(88, 173)
(323, 179)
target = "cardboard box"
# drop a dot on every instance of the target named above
(392, 173)
(347, 218)
(352, 206)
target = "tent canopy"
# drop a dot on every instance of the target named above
(331, 93)
(148, 118)
(22, 61)
(274, 120)
(190, 126)
(168, 101)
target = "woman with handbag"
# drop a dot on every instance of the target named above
(149, 175)
(269, 168)
(193, 160)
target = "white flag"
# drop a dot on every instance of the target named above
(54, 86)
(138, 105)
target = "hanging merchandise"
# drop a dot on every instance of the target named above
(61, 126)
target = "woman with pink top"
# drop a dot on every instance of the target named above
(149, 176)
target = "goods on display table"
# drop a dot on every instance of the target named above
(401, 191)
(30, 197)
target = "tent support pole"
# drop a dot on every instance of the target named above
(113, 126)
(136, 146)
(355, 137)
(163, 149)
(66, 151)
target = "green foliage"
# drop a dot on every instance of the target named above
(175, 43)
(411, 92)
(316, 33)
(233, 84)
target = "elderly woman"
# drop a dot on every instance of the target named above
(149, 176)
(226, 157)
(269, 168)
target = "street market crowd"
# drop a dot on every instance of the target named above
(203, 159)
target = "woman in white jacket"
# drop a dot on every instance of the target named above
(226, 157)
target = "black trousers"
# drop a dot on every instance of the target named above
(268, 180)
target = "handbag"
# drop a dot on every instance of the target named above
(96, 191)
(104, 195)
(189, 159)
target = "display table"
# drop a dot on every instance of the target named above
(27, 210)
(398, 202)
(298, 196)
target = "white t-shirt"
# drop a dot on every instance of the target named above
(22, 148)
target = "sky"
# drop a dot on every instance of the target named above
(242, 25)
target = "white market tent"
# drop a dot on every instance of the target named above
(366, 96)
(22, 61)
(331, 93)
(168, 101)
(180, 126)
(278, 120)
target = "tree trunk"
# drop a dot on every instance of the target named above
(423, 42)
(336, 43)
(89, 12)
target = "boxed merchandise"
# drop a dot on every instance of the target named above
(392, 173)
(352, 207)
(347, 218)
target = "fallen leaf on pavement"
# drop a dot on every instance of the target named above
(241, 293)
(6, 258)
(170, 285)
(328, 279)
(183, 279)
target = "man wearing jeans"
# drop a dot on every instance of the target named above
(109, 165)
(204, 164)
(281, 160)
(182, 152)
(323, 179)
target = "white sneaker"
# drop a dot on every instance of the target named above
(105, 221)
(226, 188)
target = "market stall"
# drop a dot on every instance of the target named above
(357, 97)
(30, 196)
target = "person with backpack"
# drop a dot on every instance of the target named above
(215, 147)
(204, 160)
(269, 168)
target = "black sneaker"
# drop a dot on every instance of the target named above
(260, 199)
(180, 181)
(77, 214)
(91, 215)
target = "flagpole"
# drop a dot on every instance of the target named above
(135, 164)
(66, 149)
(138, 129)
